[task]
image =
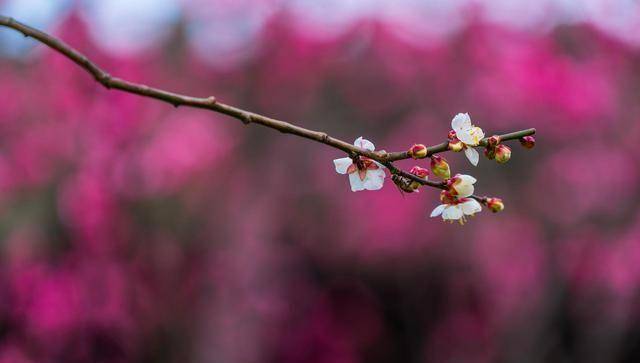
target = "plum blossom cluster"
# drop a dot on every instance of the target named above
(365, 167)
(458, 201)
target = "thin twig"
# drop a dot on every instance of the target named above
(177, 99)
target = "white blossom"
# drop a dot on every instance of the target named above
(457, 210)
(365, 175)
(469, 134)
(461, 185)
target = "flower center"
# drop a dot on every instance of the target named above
(475, 134)
(361, 165)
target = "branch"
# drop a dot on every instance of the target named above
(394, 170)
(176, 99)
(431, 150)
(247, 117)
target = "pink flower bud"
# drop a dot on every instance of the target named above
(495, 204)
(451, 135)
(456, 145)
(440, 167)
(418, 151)
(503, 153)
(418, 171)
(493, 141)
(528, 142)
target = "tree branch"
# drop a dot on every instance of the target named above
(431, 150)
(177, 99)
(247, 117)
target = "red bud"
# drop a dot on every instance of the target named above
(419, 172)
(418, 151)
(528, 142)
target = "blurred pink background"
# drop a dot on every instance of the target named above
(135, 232)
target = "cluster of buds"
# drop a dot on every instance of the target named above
(496, 151)
(457, 198)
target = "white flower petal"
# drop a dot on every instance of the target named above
(356, 184)
(470, 136)
(452, 212)
(465, 136)
(464, 190)
(478, 134)
(438, 210)
(467, 179)
(471, 207)
(472, 155)
(461, 122)
(464, 185)
(342, 165)
(364, 144)
(374, 179)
